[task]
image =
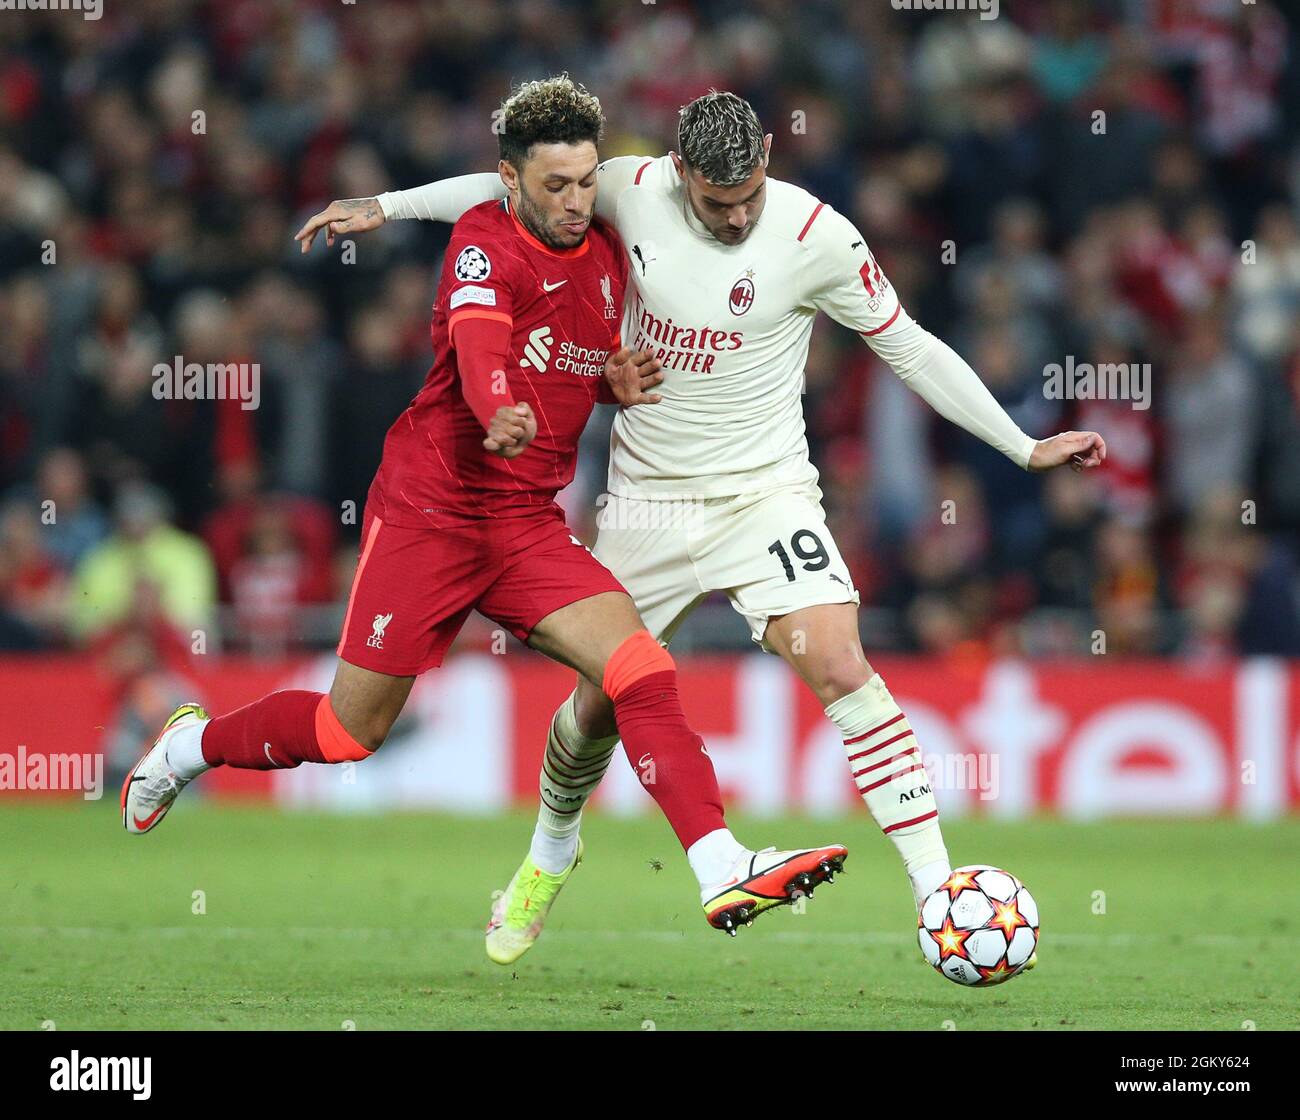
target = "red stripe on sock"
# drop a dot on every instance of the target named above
(880, 746)
(565, 750)
(566, 785)
(572, 771)
(868, 734)
(885, 762)
(890, 778)
(914, 820)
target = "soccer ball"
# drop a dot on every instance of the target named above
(980, 927)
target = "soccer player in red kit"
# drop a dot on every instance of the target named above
(462, 516)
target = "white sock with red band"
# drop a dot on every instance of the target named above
(571, 770)
(886, 764)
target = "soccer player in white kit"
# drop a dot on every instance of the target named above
(710, 486)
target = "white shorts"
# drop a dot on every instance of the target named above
(770, 552)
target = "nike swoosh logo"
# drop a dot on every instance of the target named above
(267, 747)
(143, 824)
(548, 287)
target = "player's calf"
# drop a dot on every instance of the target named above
(882, 751)
(277, 732)
(572, 767)
(888, 770)
(672, 762)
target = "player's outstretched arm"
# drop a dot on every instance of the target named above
(447, 199)
(842, 278)
(943, 378)
(443, 201)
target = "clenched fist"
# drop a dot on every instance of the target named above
(512, 429)
(1082, 450)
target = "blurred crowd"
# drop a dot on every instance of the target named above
(1103, 181)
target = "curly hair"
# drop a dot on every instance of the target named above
(550, 111)
(719, 136)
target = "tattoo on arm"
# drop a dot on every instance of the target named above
(369, 207)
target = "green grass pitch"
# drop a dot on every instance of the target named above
(373, 922)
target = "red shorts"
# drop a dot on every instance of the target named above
(414, 588)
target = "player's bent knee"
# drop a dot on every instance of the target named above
(594, 712)
(840, 675)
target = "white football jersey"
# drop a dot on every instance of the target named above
(731, 324)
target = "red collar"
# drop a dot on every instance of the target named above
(576, 251)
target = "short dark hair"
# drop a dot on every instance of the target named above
(550, 111)
(719, 136)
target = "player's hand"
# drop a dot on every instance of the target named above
(348, 215)
(512, 429)
(630, 373)
(1082, 450)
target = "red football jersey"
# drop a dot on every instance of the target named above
(563, 307)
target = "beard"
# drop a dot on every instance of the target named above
(536, 222)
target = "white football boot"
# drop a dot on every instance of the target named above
(152, 786)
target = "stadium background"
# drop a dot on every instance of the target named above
(198, 548)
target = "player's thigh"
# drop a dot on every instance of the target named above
(646, 544)
(584, 634)
(367, 703)
(555, 595)
(821, 643)
(412, 591)
(774, 555)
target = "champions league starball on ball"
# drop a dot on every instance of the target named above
(980, 927)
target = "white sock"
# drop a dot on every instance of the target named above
(886, 764)
(711, 858)
(928, 879)
(185, 750)
(571, 770)
(552, 854)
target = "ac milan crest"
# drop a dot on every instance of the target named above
(742, 295)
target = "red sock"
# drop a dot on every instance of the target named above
(667, 755)
(278, 732)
